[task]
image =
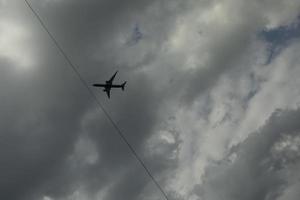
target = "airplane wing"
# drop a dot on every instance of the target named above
(112, 78)
(108, 92)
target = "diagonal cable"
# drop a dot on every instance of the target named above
(100, 106)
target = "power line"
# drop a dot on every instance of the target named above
(100, 106)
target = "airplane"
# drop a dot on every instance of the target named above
(109, 84)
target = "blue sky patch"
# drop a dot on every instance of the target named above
(136, 35)
(279, 38)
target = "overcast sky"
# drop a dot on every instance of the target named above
(211, 105)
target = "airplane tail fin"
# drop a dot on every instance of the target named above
(123, 85)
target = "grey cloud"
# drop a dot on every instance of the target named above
(227, 48)
(136, 115)
(257, 170)
(37, 115)
(47, 111)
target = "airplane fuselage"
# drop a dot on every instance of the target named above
(108, 86)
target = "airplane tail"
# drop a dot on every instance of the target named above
(123, 85)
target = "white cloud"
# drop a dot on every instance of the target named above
(245, 95)
(231, 116)
(15, 43)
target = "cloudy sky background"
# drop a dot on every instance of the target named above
(212, 104)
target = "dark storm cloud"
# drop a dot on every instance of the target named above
(54, 142)
(91, 30)
(39, 124)
(81, 23)
(45, 122)
(117, 166)
(258, 169)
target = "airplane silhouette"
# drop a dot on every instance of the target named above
(109, 84)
